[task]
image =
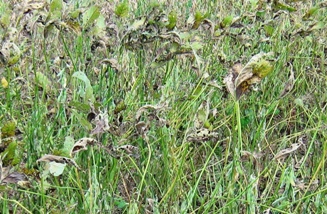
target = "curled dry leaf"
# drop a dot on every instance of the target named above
(14, 178)
(283, 153)
(82, 144)
(202, 135)
(58, 159)
(101, 123)
(129, 149)
(147, 107)
(240, 78)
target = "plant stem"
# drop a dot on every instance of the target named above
(239, 128)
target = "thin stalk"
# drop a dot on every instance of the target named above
(239, 128)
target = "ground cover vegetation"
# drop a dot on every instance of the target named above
(163, 106)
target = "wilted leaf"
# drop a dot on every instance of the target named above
(147, 107)
(129, 149)
(239, 78)
(14, 178)
(57, 159)
(52, 158)
(202, 135)
(90, 15)
(283, 153)
(82, 144)
(101, 123)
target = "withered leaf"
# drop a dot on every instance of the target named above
(82, 144)
(51, 158)
(283, 153)
(147, 107)
(129, 149)
(58, 159)
(101, 123)
(201, 135)
(240, 78)
(14, 178)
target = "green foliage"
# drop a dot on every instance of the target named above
(149, 77)
(122, 9)
(199, 18)
(262, 68)
(5, 15)
(10, 155)
(8, 129)
(87, 93)
(172, 20)
(90, 15)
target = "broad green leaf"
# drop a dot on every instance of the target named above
(196, 46)
(90, 15)
(88, 93)
(311, 12)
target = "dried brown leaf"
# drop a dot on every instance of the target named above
(147, 107)
(52, 158)
(14, 178)
(202, 135)
(283, 153)
(101, 123)
(82, 144)
(58, 159)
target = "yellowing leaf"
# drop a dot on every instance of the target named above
(4, 82)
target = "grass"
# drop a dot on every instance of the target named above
(194, 148)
